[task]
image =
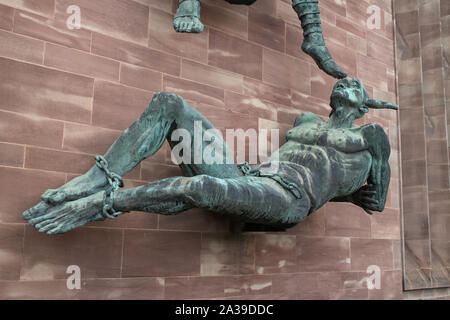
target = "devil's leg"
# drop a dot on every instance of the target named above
(253, 199)
(142, 139)
(166, 113)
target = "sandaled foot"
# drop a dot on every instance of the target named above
(187, 17)
(188, 25)
(314, 45)
(70, 215)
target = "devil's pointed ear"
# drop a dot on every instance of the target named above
(377, 104)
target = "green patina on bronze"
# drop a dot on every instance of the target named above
(321, 161)
(187, 19)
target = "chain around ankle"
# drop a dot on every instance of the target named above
(115, 182)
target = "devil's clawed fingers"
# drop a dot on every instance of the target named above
(369, 200)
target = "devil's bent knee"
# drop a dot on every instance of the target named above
(166, 97)
(168, 102)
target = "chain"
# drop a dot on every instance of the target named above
(292, 187)
(247, 169)
(115, 182)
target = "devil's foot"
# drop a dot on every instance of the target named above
(187, 17)
(80, 187)
(69, 215)
(56, 197)
(314, 46)
(36, 211)
(83, 186)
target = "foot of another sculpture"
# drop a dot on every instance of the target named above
(314, 46)
(187, 17)
(313, 42)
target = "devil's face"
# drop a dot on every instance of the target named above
(349, 91)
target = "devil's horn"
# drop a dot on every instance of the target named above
(377, 104)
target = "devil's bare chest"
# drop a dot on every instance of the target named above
(320, 135)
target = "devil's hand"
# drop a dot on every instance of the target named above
(366, 198)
